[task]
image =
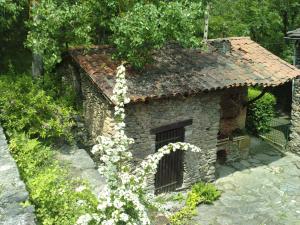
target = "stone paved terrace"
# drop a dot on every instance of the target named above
(12, 191)
(265, 189)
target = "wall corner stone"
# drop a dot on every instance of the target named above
(294, 143)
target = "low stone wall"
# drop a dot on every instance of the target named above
(12, 191)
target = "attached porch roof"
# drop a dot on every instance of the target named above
(294, 34)
(178, 71)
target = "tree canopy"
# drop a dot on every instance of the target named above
(137, 27)
(265, 21)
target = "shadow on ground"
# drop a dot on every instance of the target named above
(261, 153)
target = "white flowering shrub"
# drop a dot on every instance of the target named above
(125, 201)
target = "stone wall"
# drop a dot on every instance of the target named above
(12, 190)
(204, 110)
(96, 109)
(294, 144)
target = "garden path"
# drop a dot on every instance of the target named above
(82, 166)
(265, 189)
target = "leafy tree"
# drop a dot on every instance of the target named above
(135, 27)
(57, 24)
(9, 11)
(265, 21)
(54, 25)
(13, 13)
(289, 11)
(147, 27)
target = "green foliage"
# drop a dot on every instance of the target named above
(52, 190)
(13, 14)
(148, 27)
(261, 112)
(61, 91)
(266, 21)
(130, 32)
(25, 107)
(30, 155)
(27, 112)
(56, 24)
(136, 27)
(200, 193)
(9, 10)
(177, 197)
(183, 216)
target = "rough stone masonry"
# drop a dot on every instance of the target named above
(12, 190)
(203, 109)
(294, 144)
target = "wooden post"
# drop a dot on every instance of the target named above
(37, 60)
(37, 65)
(205, 36)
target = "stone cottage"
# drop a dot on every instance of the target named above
(184, 95)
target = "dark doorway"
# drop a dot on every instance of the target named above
(283, 94)
(169, 175)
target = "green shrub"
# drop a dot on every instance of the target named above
(52, 190)
(35, 112)
(206, 193)
(199, 193)
(183, 216)
(30, 155)
(60, 90)
(25, 107)
(261, 112)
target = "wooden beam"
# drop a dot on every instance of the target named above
(264, 91)
(171, 126)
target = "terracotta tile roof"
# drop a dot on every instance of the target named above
(179, 71)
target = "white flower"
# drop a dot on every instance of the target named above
(118, 204)
(124, 217)
(80, 188)
(81, 202)
(84, 219)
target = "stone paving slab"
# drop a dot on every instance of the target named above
(12, 191)
(82, 166)
(263, 190)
